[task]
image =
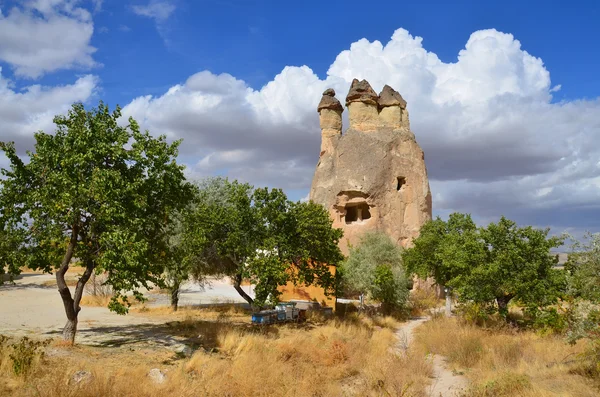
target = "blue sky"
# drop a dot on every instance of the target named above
(503, 95)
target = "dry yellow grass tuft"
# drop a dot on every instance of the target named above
(505, 362)
(337, 358)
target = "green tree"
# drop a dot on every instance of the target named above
(97, 192)
(446, 251)
(519, 265)
(258, 234)
(583, 267)
(177, 268)
(374, 268)
(489, 265)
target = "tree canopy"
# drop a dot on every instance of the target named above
(374, 268)
(260, 235)
(97, 192)
(488, 265)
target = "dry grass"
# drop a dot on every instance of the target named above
(222, 311)
(338, 358)
(504, 362)
(422, 300)
(71, 282)
(95, 301)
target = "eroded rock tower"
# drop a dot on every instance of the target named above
(373, 176)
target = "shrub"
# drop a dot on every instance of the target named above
(374, 268)
(24, 354)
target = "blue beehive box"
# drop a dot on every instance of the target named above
(264, 317)
(280, 315)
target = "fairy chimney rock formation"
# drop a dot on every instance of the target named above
(373, 176)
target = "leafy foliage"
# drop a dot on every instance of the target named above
(583, 266)
(24, 353)
(260, 235)
(96, 191)
(517, 264)
(445, 251)
(494, 264)
(374, 268)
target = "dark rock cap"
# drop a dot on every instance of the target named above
(329, 101)
(391, 97)
(361, 91)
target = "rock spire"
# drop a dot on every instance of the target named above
(373, 176)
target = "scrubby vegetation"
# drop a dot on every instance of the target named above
(506, 278)
(353, 356)
(374, 269)
(500, 360)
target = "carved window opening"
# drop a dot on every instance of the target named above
(401, 181)
(357, 213)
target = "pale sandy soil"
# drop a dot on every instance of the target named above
(27, 307)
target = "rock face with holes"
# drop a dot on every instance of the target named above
(373, 176)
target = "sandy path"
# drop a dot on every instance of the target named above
(445, 383)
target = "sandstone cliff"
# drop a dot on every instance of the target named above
(373, 176)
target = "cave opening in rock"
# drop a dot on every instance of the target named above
(401, 182)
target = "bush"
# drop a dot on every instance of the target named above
(24, 354)
(386, 289)
(476, 313)
(549, 320)
(374, 268)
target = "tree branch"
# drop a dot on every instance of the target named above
(89, 268)
(63, 289)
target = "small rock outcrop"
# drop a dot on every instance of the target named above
(81, 377)
(157, 376)
(373, 176)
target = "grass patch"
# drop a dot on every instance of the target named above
(506, 362)
(338, 358)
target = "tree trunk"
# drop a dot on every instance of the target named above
(237, 284)
(448, 292)
(71, 303)
(70, 330)
(503, 304)
(175, 295)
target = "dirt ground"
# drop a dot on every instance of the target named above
(30, 307)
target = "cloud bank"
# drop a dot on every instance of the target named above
(495, 142)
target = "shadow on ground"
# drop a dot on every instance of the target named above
(194, 333)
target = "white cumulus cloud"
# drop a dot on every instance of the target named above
(42, 36)
(495, 142)
(32, 109)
